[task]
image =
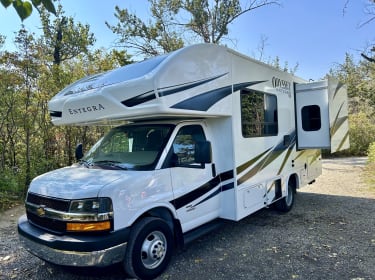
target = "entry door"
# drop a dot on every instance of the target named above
(196, 191)
(322, 115)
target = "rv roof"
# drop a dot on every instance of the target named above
(125, 73)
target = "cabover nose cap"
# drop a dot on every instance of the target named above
(125, 73)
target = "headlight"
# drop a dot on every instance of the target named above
(88, 215)
(92, 206)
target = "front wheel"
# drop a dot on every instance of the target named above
(286, 203)
(149, 249)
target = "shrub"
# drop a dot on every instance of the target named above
(371, 153)
(361, 133)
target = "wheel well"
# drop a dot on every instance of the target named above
(166, 215)
(293, 181)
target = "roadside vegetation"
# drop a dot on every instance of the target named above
(369, 173)
(41, 66)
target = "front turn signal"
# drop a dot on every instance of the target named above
(88, 227)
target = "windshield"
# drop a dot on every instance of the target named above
(135, 147)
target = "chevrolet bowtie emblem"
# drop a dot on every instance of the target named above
(41, 212)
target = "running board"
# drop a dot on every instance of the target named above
(202, 230)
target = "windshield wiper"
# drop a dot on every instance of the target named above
(111, 163)
(86, 163)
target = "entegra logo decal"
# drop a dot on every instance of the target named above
(88, 109)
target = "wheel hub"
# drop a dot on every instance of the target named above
(154, 249)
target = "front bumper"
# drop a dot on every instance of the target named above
(73, 250)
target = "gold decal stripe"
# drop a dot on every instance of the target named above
(285, 159)
(250, 162)
(261, 165)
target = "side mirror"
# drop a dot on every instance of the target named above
(79, 151)
(203, 152)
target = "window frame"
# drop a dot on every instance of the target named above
(311, 118)
(172, 160)
(263, 125)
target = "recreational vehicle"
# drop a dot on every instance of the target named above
(203, 134)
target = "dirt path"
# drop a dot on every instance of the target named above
(329, 234)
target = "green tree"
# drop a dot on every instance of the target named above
(64, 39)
(24, 8)
(359, 78)
(176, 21)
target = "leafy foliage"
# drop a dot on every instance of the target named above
(176, 22)
(25, 8)
(371, 153)
(359, 77)
(29, 77)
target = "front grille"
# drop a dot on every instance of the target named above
(52, 225)
(46, 223)
(53, 203)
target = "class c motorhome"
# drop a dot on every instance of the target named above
(207, 134)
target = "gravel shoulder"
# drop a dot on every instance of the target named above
(329, 234)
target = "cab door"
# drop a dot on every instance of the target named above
(195, 185)
(322, 115)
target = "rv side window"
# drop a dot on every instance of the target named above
(311, 118)
(258, 114)
(184, 145)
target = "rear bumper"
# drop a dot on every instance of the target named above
(73, 250)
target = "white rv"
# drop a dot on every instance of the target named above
(207, 134)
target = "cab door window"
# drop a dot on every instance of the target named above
(183, 147)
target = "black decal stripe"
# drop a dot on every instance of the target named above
(226, 175)
(204, 101)
(208, 197)
(193, 195)
(227, 187)
(139, 99)
(56, 114)
(186, 86)
(205, 188)
(222, 189)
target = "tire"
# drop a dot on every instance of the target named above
(149, 248)
(286, 203)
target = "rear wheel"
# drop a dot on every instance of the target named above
(286, 203)
(149, 249)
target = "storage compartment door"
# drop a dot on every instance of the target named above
(322, 115)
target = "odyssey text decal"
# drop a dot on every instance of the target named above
(281, 86)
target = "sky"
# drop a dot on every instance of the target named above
(316, 35)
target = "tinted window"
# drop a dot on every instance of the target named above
(311, 118)
(184, 145)
(258, 114)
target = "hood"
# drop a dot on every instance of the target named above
(74, 182)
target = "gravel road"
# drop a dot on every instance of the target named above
(329, 234)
